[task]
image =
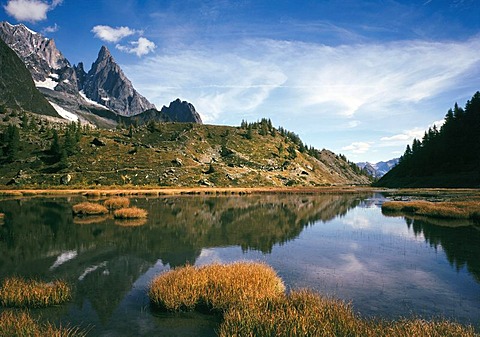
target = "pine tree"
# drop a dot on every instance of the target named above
(12, 140)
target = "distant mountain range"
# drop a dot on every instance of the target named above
(102, 96)
(379, 169)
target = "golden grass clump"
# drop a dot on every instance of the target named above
(17, 292)
(215, 287)
(306, 313)
(116, 203)
(448, 210)
(21, 324)
(130, 213)
(89, 208)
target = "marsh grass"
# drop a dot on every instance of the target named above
(252, 301)
(21, 324)
(215, 288)
(17, 292)
(130, 213)
(89, 208)
(446, 210)
(116, 203)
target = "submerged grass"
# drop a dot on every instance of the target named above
(446, 210)
(116, 203)
(21, 324)
(89, 208)
(17, 292)
(253, 302)
(215, 287)
(130, 213)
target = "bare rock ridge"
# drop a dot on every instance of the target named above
(182, 112)
(106, 84)
(102, 95)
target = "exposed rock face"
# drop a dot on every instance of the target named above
(17, 90)
(107, 84)
(182, 112)
(41, 57)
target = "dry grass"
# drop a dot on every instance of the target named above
(253, 302)
(21, 324)
(89, 208)
(17, 292)
(130, 213)
(305, 313)
(215, 287)
(116, 203)
(447, 210)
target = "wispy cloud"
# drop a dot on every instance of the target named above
(112, 34)
(408, 136)
(30, 10)
(140, 47)
(304, 78)
(357, 147)
(50, 29)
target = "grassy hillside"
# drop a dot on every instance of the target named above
(164, 154)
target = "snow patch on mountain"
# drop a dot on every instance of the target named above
(379, 169)
(64, 113)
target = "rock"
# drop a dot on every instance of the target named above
(177, 161)
(98, 142)
(65, 179)
(204, 182)
(182, 111)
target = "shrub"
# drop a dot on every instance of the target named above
(89, 208)
(215, 287)
(17, 292)
(21, 324)
(130, 213)
(117, 202)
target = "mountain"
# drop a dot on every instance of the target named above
(106, 84)
(17, 89)
(379, 169)
(449, 157)
(182, 111)
(102, 96)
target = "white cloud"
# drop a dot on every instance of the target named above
(110, 34)
(140, 47)
(357, 147)
(51, 29)
(300, 79)
(407, 136)
(30, 10)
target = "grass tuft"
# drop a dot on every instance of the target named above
(130, 213)
(116, 203)
(215, 287)
(17, 292)
(21, 324)
(445, 210)
(89, 208)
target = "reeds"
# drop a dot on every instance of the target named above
(89, 208)
(116, 203)
(17, 292)
(21, 324)
(130, 213)
(215, 287)
(447, 210)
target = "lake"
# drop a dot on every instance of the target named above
(339, 245)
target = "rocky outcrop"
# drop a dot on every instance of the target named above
(182, 111)
(107, 84)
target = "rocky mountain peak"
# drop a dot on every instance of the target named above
(106, 84)
(182, 111)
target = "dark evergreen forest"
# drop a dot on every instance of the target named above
(445, 157)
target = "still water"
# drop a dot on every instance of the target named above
(339, 245)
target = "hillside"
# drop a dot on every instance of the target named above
(164, 154)
(17, 89)
(449, 157)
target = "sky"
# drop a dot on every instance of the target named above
(360, 78)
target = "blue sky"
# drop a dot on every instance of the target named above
(362, 78)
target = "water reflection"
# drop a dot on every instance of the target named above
(103, 258)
